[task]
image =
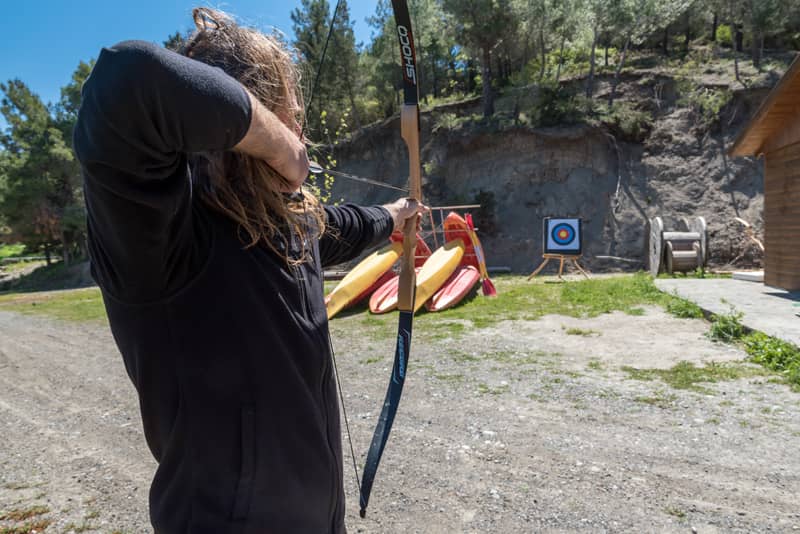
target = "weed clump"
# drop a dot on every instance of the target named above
(684, 309)
(775, 354)
(727, 328)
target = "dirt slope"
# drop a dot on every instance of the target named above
(526, 174)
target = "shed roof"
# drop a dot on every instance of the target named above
(782, 103)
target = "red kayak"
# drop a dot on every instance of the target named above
(458, 286)
(385, 277)
(455, 227)
(466, 276)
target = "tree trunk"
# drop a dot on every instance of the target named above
(688, 32)
(714, 25)
(47, 253)
(665, 42)
(592, 59)
(739, 37)
(434, 80)
(757, 47)
(560, 57)
(65, 249)
(488, 103)
(617, 72)
(544, 54)
(606, 56)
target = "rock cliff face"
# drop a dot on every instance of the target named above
(522, 175)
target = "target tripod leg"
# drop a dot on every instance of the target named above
(561, 268)
(539, 268)
(578, 265)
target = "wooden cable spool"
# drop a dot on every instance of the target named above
(656, 245)
(683, 260)
(698, 225)
(681, 251)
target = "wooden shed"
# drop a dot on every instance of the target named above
(774, 133)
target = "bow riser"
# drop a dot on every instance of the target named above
(410, 132)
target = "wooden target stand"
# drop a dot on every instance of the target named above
(561, 258)
(561, 247)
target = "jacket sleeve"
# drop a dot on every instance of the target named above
(144, 108)
(351, 230)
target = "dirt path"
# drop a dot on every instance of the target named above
(518, 428)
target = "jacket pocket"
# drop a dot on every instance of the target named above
(247, 469)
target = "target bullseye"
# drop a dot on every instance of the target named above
(563, 234)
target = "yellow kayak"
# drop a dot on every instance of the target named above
(362, 277)
(437, 269)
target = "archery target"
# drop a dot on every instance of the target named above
(562, 236)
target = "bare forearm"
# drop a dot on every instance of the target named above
(269, 139)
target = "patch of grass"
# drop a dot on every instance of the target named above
(372, 359)
(776, 355)
(27, 528)
(445, 329)
(22, 514)
(83, 527)
(463, 357)
(484, 389)
(75, 305)
(455, 378)
(517, 358)
(685, 375)
(12, 250)
(661, 400)
(581, 332)
(20, 485)
(520, 299)
(378, 327)
(677, 512)
(684, 309)
(595, 365)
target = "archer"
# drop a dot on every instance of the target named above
(209, 254)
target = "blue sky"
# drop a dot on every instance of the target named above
(43, 40)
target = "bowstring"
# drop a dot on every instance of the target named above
(314, 89)
(315, 86)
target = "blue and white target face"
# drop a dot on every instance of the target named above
(562, 236)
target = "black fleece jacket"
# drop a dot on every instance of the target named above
(227, 347)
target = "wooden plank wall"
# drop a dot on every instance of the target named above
(782, 218)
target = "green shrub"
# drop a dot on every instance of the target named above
(706, 102)
(556, 105)
(627, 122)
(447, 121)
(727, 328)
(724, 35)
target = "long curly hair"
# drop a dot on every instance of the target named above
(242, 187)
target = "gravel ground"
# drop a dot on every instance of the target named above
(521, 427)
